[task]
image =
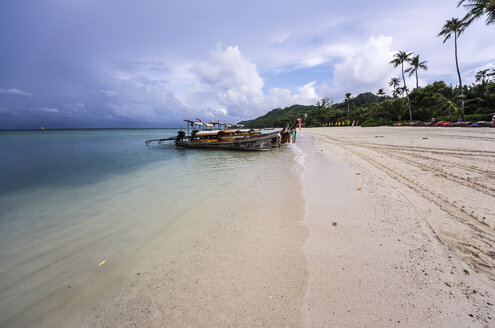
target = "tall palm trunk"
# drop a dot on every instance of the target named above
(417, 80)
(407, 92)
(459, 75)
(348, 107)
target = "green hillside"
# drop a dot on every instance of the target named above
(278, 117)
(312, 115)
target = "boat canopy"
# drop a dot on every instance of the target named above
(208, 133)
(208, 124)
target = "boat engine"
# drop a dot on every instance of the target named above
(193, 134)
(180, 135)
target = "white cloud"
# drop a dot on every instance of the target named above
(108, 93)
(307, 94)
(324, 54)
(49, 110)
(280, 38)
(234, 78)
(223, 111)
(232, 86)
(368, 68)
(279, 97)
(15, 92)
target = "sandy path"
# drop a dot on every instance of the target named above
(415, 244)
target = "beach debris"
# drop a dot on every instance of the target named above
(358, 173)
(102, 262)
(359, 189)
(448, 284)
(334, 224)
(378, 136)
(425, 138)
(466, 272)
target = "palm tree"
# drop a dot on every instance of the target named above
(455, 26)
(478, 8)
(324, 102)
(394, 83)
(447, 102)
(381, 93)
(482, 76)
(400, 91)
(400, 58)
(415, 66)
(492, 74)
(394, 109)
(348, 98)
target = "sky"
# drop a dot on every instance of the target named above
(149, 63)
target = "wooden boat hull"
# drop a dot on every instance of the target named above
(258, 142)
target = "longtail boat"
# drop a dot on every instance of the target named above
(230, 139)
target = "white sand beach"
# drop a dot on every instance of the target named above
(414, 241)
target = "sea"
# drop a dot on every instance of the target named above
(78, 208)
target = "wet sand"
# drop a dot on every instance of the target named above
(401, 227)
(242, 265)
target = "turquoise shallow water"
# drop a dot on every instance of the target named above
(70, 199)
(75, 157)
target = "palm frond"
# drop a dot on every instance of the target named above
(451, 27)
(478, 8)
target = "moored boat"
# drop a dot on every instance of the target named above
(230, 139)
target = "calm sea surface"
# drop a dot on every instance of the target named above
(70, 199)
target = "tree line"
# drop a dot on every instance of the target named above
(437, 100)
